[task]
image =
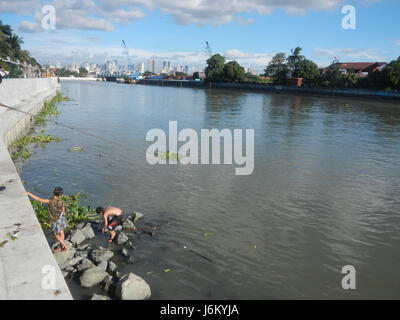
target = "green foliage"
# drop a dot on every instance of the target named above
(278, 69)
(307, 70)
(294, 60)
(10, 46)
(73, 212)
(392, 74)
(233, 72)
(215, 67)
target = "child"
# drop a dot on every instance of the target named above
(56, 208)
(115, 216)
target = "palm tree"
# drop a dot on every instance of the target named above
(4, 45)
(294, 59)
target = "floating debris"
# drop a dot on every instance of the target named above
(167, 270)
(75, 149)
(3, 243)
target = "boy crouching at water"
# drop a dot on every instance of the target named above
(56, 208)
(112, 218)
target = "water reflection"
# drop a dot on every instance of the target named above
(324, 192)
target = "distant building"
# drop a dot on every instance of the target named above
(251, 71)
(152, 66)
(361, 68)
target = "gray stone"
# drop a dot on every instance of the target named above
(112, 267)
(73, 262)
(79, 225)
(62, 258)
(130, 260)
(132, 287)
(92, 276)
(118, 228)
(85, 264)
(128, 224)
(103, 265)
(99, 297)
(88, 231)
(108, 283)
(124, 252)
(122, 238)
(77, 237)
(82, 254)
(83, 246)
(101, 254)
(130, 245)
(137, 217)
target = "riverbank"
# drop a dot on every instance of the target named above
(28, 268)
(360, 93)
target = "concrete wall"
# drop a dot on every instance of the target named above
(26, 261)
(26, 95)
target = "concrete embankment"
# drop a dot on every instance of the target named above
(28, 269)
(391, 95)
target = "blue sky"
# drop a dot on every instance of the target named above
(250, 31)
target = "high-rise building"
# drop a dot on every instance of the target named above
(186, 69)
(152, 66)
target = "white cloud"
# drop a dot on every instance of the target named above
(99, 15)
(349, 54)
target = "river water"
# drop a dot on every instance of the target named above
(324, 192)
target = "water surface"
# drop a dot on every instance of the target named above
(324, 192)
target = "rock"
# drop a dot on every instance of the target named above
(112, 267)
(103, 265)
(132, 287)
(122, 238)
(72, 262)
(108, 283)
(130, 245)
(101, 254)
(77, 237)
(118, 228)
(82, 254)
(80, 225)
(130, 260)
(62, 258)
(128, 224)
(92, 276)
(99, 297)
(137, 216)
(124, 252)
(64, 273)
(56, 244)
(85, 264)
(88, 231)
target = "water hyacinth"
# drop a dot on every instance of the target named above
(73, 212)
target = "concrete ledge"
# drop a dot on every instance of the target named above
(23, 260)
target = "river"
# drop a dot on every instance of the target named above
(324, 192)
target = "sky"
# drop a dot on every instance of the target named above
(249, 31)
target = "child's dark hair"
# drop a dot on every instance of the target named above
(100, 210)
(58, 191)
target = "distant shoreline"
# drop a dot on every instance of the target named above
(344, 92)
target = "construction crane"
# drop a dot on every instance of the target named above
(208, 49)
(136, 74)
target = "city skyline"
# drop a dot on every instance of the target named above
(249, 31)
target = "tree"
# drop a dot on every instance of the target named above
(277, 69)
(196, 75)
(293, 61)
(333, 77)
(215, 67)
(233, 72)
(307, 70)
(392, 74)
